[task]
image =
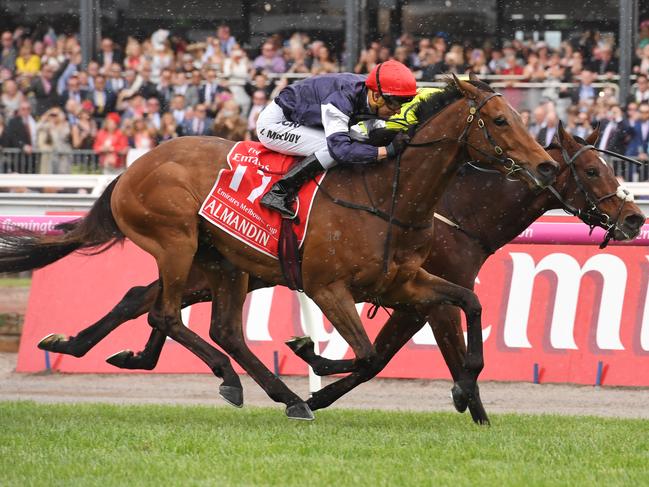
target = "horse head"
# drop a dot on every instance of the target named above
(590, 190)
(494, 134)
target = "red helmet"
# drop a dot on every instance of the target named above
(392, 78)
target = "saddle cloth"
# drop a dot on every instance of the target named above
(233, 203)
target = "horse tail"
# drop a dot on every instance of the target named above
(22, 250)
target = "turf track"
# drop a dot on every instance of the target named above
(93, 444)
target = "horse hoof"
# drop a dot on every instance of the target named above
(460, 400)
(298, 343)
(121, 359)
(232, 395)
(477, 410)
(50, 341)
(300, 411)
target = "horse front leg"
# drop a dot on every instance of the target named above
(426, 290)
(229, 288)
(447, 328)
(396, 332)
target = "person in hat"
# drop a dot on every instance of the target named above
(111, 144)
(312, 118)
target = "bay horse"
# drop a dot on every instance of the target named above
(479, 223)
(155, 204)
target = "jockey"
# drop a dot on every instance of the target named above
(312, 118)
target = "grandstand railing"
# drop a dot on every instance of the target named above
(49, 162)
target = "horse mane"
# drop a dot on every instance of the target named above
(436, 102)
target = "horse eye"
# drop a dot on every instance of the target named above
(500, 121)
(591, 172)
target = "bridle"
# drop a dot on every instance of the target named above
(511, 166)
(592, 215)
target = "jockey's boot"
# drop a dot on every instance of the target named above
(281, 195)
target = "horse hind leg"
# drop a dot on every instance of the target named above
(148, 358)
(304, 348)
(136, 301)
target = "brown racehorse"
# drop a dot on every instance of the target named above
(155, 204)
(485, 221)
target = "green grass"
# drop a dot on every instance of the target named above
(15, 282)
(110, 445)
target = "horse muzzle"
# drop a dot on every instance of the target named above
(629, 228)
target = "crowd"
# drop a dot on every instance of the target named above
(143, 93)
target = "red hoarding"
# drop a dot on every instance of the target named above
(563, 307)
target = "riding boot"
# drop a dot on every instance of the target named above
(281, 195)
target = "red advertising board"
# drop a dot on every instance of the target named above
(562, 307)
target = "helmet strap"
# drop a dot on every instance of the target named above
(378, 80)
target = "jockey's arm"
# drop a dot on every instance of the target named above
(335, 120)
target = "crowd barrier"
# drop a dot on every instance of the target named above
(560, 310)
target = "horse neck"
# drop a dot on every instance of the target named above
(426, 171)
(491, 209)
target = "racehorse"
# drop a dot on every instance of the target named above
(474, 225)
(155, 204)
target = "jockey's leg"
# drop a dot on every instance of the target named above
(279, 134)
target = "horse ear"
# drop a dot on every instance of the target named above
(594, 135)
(473, 77)
(467, 89)
(561, 133)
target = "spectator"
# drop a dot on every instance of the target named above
(108, 55)
(44, 88)
(53, 140)
(27, 62)
(201, 124)
(115, 83)
(21, 134)
(177, 108)
(583, 127)
(208, 92)
(8, 53)
(269, 60)
(146, 87)
(324, 63)
(260, 82)
(11, 98)
(538, 120)
(235, 70)
(168, 128)
(2, 130)
(259, 102)
(152, 112)
(111, 145)
(229, 124)
(102, 99)
(84, 131)
(226, 41)
(73, 91)
(143, 135)
(366, 62)
(192, 93)
(165, 89)
(549, 130)
(584, 93)
(640, 91)
(604, 62)
(639, 144)
(615, 132)
(134, 57)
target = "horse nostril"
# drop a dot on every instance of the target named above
(634, 221)
(548, 170)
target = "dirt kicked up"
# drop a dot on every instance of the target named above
(384, 394)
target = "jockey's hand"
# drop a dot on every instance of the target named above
(381, 137)
(397, 145)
